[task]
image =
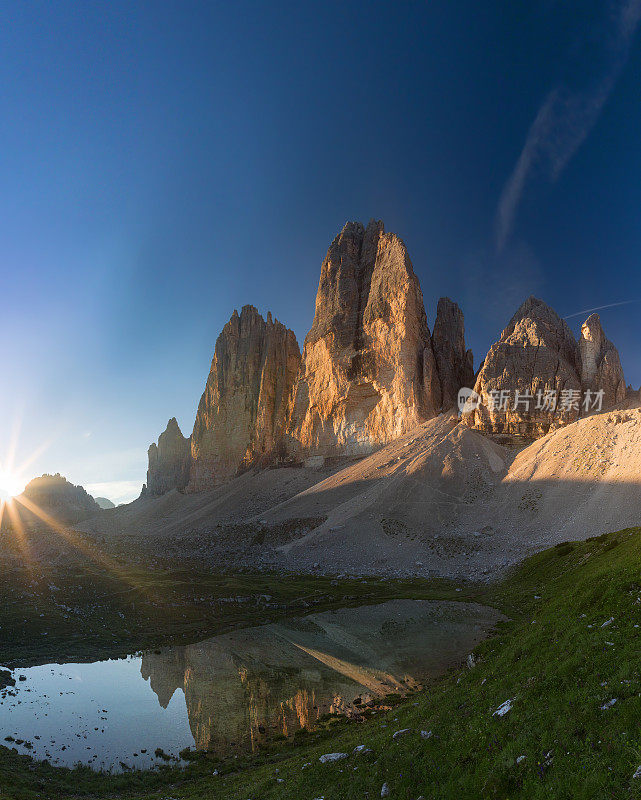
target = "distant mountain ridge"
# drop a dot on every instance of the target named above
(104, 503)
(57, 497)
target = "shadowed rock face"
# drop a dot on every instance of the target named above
(242, 413)
(536, 352)
(57, 498)
(368, 373)
(455, 364)
(600, 364)
(169, 461)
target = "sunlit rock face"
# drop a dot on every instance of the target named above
(455, 364)
(368, 373)
(242, 412)
(169, 461)
(600, 365)
(536, 352)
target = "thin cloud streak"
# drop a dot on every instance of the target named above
(565, 119)
(600, 308)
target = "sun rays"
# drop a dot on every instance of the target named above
(26, 526)
(13, 477)
(10, 485)
(22, 526)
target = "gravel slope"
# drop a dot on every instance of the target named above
(442, 500)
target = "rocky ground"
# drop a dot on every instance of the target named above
(442, 500)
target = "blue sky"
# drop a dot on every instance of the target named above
(164, 163)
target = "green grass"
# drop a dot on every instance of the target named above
(553, 659)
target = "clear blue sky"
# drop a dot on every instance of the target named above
(163, 163)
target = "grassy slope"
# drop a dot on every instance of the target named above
(553, 659)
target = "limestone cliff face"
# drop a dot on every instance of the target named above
(600, 364)
(536, 352)
(368, 372)
(455, 364)
(242, 413)
(169, 461)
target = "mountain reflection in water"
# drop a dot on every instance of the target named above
(243, 687)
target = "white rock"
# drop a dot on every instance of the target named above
(402, 732)
(329, 757)
(520, 759)
(384, 790)
(502, 710)
(608, 622)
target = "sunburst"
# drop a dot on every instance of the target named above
(10, 485)
(14, 504)
(12, 478)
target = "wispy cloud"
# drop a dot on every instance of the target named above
(600, 308)
(567, 115)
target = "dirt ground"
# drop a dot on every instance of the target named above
(442, 500)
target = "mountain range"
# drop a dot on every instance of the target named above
(371, 371)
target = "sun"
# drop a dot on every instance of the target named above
(10, 485)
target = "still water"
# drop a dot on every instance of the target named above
(231, 692)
